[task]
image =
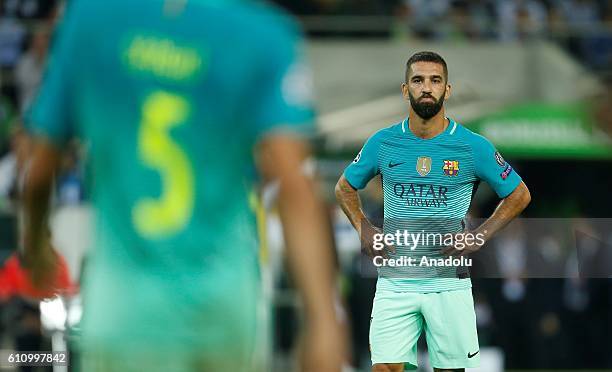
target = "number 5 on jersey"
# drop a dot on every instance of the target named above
(171, 211)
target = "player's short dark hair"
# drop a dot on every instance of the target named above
(427, 57)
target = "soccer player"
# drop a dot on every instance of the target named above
(174, 98)
(430, 167)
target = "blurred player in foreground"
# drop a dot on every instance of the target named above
(177, 101)
(430, 167)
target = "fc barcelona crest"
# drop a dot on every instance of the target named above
(451, 167)
(423, 165)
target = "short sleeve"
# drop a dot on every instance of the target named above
(50, 113)
(493, 169)
(365, 165)
(284, 93)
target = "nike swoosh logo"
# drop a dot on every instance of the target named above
(391, 165)
(470, 355)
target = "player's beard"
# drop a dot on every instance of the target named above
(426, 110)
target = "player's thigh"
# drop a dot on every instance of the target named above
(450, 329)
(395, 328)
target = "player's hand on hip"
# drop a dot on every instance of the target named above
(324, 348)
(368, 233)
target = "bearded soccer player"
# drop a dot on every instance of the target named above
(430, 166)
(173, 99)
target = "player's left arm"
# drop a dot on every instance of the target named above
(38, 256)
(504, 180)
(507, 210)
(50, 125)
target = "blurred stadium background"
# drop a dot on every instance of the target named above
(534, 76)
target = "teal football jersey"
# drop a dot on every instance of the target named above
(428, 185)
(171, 97)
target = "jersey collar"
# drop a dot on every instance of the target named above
(450, 130)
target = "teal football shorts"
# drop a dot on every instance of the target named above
(448, 319)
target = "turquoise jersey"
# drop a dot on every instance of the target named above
(428, 186)
(171, 97)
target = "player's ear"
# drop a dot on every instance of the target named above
(448, 91)
(405, 91)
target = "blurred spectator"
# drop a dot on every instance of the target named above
(580, 14)
(8, 172)
(482, 22)
(425, 16)
(520, 19)
(21, 318)
(28, 9)
(12, 36)
(7, 116)
(21, 302)
(603, 109)
(458, 26)
(597, 48)
(29, 68)
(11, 163)
(70, 179)
(470, 20)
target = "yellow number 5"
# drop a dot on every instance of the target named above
(170, 213)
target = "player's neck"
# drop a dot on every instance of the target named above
(429, 128)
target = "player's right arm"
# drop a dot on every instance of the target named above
(349, 201)
(356, 176)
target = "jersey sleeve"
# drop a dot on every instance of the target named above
(284, 97)
(493, 169)
(50, 113)
(365, 165)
